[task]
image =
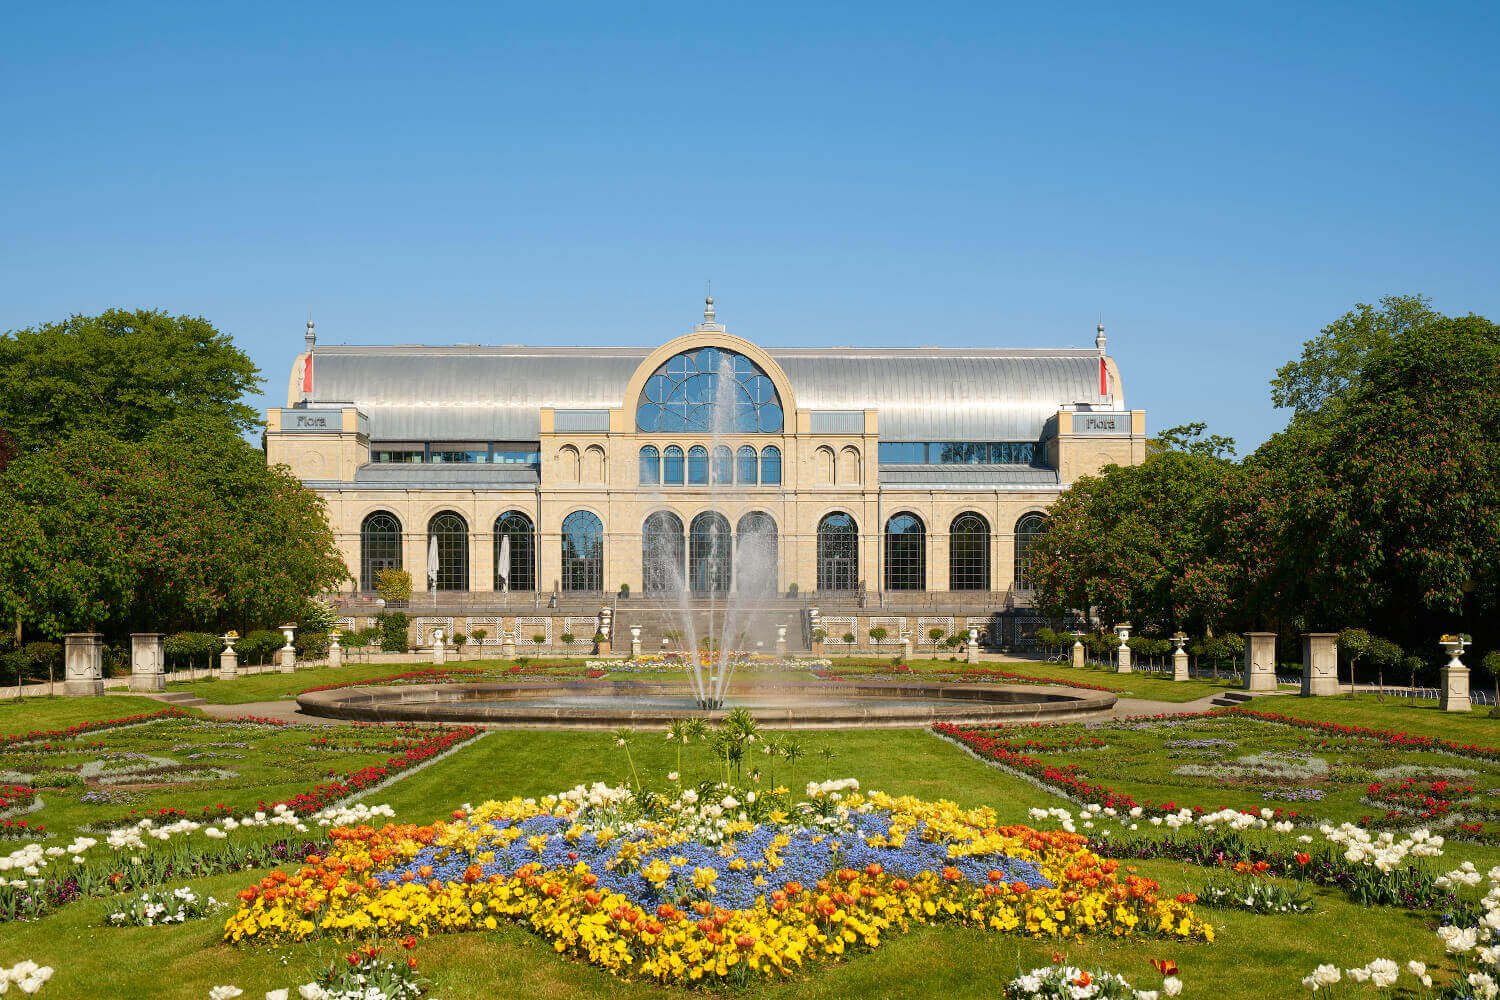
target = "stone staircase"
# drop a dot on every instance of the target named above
(181, 699)
(758, 624)
(1229, 699)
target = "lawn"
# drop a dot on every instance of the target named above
(1253, 956)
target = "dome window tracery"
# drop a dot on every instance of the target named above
(689, 390)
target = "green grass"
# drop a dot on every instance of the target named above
(1148, 687)
(43, 713)
(1421, 717)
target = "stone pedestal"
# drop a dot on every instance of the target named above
(1078, 654)
(83, 664)
(604, 647)
(973, 645)
(817, 647)
(229, 660)
(1260, 661)
(335, 652)
(1122, 655)
(507, 645)
(1179, 664)
(286, 656)
(781, 641)
(1454, 696)
(147, 662)
(1320, 664)
(905, 645)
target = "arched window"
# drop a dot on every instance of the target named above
(448, 552)
(515, 552)
(567, 464)
(744, 461)
(582, 552)
(969, 553)
(755, 556)
(671, 465)
(688, 391)
(838, 552)
(848, 466)
(650, 466)
(662, 549)
(1028, 529)
(594, 470)
(723, 466)
(710, 554)
(770, 466)
(379, 547)
(905, 553)
(697, 465)
(823, 466)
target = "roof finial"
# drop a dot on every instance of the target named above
(311, 337)
(1099, 340)
(708, 306)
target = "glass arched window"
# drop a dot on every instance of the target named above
(969, 553)
(379, 547)
(671, 465)
(650, 466)
(905, 553)
(723, 466)
(448, 552)
(755, 554)
(582, 552)
(710, 554)
(770, 466)
(515, 552)
(838, 552)
(697, 465)
(662, 549)
(709, 389)
(745, 466)
(1028, 529)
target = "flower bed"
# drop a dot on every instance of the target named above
(439, 740)
(974, 675)
(649, 894)
(89, 727)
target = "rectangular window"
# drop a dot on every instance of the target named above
(957, 452)
(384, 456)
(516, 454)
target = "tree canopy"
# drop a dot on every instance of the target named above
(121, 373)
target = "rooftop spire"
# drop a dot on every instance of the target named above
(710, 324)
(1099, 339)
(311, 338)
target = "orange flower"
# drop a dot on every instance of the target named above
(1165, 966)
(1303, 857)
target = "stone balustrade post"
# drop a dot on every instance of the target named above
(1260, 661)
(1179, 657)
(286, 656)
(1454, 696)
(1122, 655)
(83, 664)
(906, 645)
(229, 660)
(148, 661)
(1320, 664)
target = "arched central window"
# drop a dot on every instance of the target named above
(671, 465)
(1028, 529)
(770, 466)
(379, 547)
(969, 553)
(905, 553)
(515, 552)
(710, 554)
(755, 554)
(838, 552)
(709, 389)
(744, 461)
(662, 549)
(448, 552)
(582, 552)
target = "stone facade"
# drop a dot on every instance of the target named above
(829, 463)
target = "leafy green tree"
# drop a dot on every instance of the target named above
(1130, 541)
(393, 626)
(122, 373)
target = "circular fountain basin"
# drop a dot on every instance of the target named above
(781, 704)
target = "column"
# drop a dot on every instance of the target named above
(1320, 664)
(1260, 661)
(147, 661)
(1454, 696)
(1122, 655)
(1078, 651)
(83, 664)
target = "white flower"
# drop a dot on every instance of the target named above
(1171, 986)
(224, 992)
(311, 991)
(671, 775)
(1361, 975)
(1327, 975)
(280, 994)
(1418, 969)
(1383, 973)
(1484, 986)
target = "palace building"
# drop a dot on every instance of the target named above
(889, 473)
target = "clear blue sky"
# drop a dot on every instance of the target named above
(1219, 183)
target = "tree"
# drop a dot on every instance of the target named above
(1129, 541)
(122, 373)
(393, 585)
(1192, 439)
(187, 528)
(1333, 363)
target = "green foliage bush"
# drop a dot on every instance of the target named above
(392, 626)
